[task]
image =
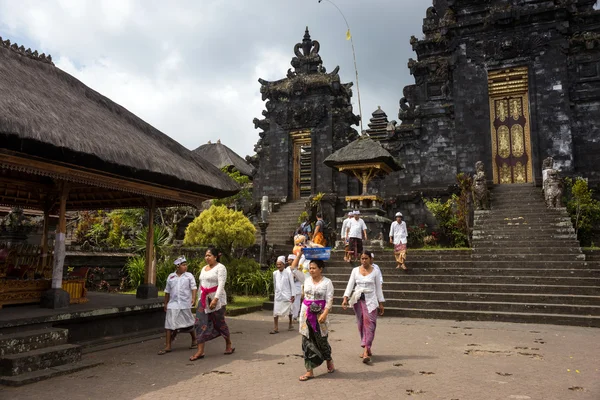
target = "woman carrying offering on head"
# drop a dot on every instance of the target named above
(314, 322)
(210, 314)
(367, 300)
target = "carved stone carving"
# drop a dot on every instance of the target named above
(481, 194)
(553, 189)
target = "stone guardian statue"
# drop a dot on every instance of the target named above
(481, 194)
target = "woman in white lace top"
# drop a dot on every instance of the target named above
(212, 299)
(314, 321)
(367, 301)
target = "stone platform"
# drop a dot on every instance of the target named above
(38, 343)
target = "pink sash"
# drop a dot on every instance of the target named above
(204, 292)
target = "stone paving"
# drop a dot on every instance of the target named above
(414, 358)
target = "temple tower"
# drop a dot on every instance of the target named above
(308, 116)
(508, 82)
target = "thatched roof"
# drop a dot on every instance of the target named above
(222, 156)
(48, 114)
(362, 150)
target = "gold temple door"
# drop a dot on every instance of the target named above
(302, 164)
(510, 126)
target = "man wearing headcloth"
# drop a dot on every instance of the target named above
(347, 255)
(283, 283)
(399, 238)
(180, 296)
(298, 281)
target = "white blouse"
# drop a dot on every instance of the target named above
(320, 291)
(369, 285)
(217, 276)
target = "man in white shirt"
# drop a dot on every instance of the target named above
(343, 236)
(298, 281)
(355, 231)
(180, 296)
(283, 283)
(399, 238)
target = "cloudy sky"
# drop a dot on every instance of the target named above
(190, 67)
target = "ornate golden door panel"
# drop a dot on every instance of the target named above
(510, 125)
(302, 163)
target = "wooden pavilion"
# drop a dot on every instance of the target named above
(64, 146)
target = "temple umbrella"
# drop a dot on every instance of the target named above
(364, 159)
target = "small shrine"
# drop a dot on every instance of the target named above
(365, 159)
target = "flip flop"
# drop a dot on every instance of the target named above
(163, 352)
(305, 378)
(194, 358)
(273, 332)
(367, 360)
(291, 328)
(193, 346)
(332, 369)
(227, 353)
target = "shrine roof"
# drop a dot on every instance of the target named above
(222, 156)
(363, 150)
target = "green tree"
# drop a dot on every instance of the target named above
(244, 196)
(219, 226)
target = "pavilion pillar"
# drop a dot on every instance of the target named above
(44, 243)
(56, 297)
(148, 290)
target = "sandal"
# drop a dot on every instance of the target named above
(230, 351)
(331, 369)
(273, 332)
(366, 360)
(305, 378)
(193, 346)
(163, 352)
(195, 357)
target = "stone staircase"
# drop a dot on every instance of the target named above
(526, 266)
(31, 356)
(283, 223)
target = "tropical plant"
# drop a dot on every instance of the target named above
(582, 207)
(161, 240)
(446, 216)
(135, 269)
(221, 227)
(416, 235)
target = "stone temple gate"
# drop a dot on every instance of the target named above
(308, 116)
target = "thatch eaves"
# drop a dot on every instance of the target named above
(222, 156)
(49, 114)
(362, 150)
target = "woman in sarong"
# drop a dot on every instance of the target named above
(210, 314)
(318, 237)
(367, 300)
(314, 322)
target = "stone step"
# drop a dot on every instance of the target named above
(482, 296)
(519, 236)
(40, 375)
(525, 243)
(516, 258)
(391, 274)
(491, 279)
(520, 229)
(34, 360)
(494, 287)
(525, 250)
(533, 318)
(523, 222)
(21, 342)
(457, 305)
(419, 264)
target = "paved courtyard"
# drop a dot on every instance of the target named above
(420, 359)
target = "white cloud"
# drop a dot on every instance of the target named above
(190, 67)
